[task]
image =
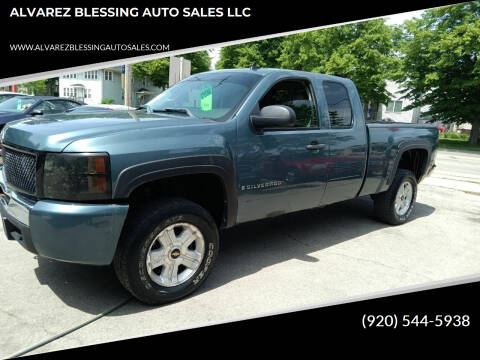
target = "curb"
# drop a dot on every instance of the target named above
(459, 151)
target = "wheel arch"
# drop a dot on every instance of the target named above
(414, 157)
(183, 171)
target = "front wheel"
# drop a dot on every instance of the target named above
(395, 206)
(166, 251)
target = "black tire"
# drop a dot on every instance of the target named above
(140, 231)
(384, 203)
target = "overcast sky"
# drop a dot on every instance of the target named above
(396, 19)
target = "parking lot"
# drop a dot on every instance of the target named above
(303, 259)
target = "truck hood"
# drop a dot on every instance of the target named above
(55, 132)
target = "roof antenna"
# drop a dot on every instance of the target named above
(254, 66)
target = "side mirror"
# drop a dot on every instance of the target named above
(274, 116)
(36, 112)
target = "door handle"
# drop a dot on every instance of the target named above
(315, 146)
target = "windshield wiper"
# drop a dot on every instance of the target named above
(174, 110)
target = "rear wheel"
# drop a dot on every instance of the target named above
(166, 250)
(395, 206)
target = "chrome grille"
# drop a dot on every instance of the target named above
(20, 169)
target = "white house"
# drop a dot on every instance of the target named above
(95, 86)
(394, 110)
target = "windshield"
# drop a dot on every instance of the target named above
(206, 96)
(4, 97)
(17, 104)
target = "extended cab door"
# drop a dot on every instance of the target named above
(348, 140)
(281, 170)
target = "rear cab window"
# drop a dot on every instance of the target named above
(339, 106)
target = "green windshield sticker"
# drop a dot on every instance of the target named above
(19, 105)
(206, 98)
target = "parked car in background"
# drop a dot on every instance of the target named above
(117, 107)
(20, 107)
(87, 108)
(5, 95)
(99, 107)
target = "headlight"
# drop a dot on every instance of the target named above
(2, 134)
(76, 177)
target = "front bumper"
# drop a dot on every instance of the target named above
(72, 232)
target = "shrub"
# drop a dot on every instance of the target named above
(454, 136)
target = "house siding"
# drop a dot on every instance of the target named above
(101, 89)
(95, 87)
(112, 89)
(137, 85)
(408, 116)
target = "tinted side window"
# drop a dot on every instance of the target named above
(339, 108)
(50, 107)
(69, 104)
(297, 95)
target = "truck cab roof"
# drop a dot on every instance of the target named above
(294, 73)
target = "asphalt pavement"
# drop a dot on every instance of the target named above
(298, 260)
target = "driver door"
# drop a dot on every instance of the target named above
(278, 172)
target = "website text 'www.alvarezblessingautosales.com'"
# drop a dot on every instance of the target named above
(89, 47)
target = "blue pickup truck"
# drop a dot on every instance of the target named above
(148, 190)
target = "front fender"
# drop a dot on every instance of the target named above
(132, 177)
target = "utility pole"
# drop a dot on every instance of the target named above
(179, 69)
(128, 85)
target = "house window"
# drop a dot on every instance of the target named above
(69, 92)
(395, 106)
(70, 76)
(88, 93)
(108, 75)
(91, 75)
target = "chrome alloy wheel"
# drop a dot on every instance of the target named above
(175, 254)
(403, 198)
